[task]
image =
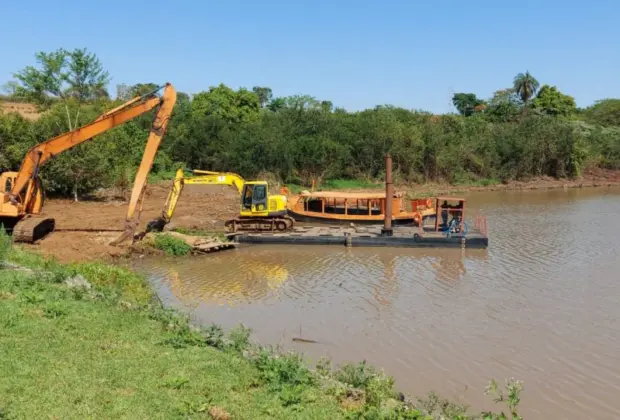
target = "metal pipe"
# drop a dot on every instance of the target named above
(389, 195)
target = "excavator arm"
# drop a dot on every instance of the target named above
(206, 178)
(158, 129)
(42, 152)
(27, 176)
(219, 178)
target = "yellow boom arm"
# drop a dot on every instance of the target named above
(205, 178)
(219, 178)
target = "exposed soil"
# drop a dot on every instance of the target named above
(96, 223)
(207, 207)
(595, 177)
(26, 110)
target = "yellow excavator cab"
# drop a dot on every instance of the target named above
(256, 201)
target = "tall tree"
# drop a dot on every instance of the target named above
(227, 104)
(604, 112)
(553, 102)
(10, 88)
(327, 106)
(302, 102)
(276, 104)
(466, 103)
(73, 77)
(525, 85)
(504, 106)
(264, 95)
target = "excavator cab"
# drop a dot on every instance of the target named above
(254, 198)
(7, 209)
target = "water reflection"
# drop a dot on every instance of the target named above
(540, 304)
(253, 280)
(244, 276)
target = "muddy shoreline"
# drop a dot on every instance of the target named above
(207, 207)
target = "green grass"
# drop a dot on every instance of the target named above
(155, 177)
(5, 245)
(339, 184)
(110, 279)
(66, 353)
(69, 358)
(296, 188)
(171, 245)
(110, 352)
(485, 182)
(346, 184)
(362, 184)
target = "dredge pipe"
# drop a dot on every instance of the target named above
(389, 197)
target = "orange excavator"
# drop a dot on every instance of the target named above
(22, 195)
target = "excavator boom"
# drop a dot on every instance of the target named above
(25, 196)
(42, 152)
(206, 178)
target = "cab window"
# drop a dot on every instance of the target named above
(9, 185)
(259, 192)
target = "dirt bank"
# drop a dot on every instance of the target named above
(26, 110)
(200, 207)
(596, 177)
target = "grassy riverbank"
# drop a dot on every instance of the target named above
(90, 340)
(592, 178)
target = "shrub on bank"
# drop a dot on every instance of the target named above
(171, 245)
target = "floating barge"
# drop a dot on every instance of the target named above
(342, 208)
(449, 229)
(370, 236)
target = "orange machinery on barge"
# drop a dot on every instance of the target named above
(362, 208)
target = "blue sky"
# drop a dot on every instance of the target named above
(355, 53)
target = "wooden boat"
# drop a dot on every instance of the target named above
(362, 208)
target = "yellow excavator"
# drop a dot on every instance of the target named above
(259, 211)
(22, 195)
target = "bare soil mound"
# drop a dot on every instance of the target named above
(84, 229)
(28, 111)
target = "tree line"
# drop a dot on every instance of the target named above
(524, 130)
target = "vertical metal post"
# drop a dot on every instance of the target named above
(389, 194)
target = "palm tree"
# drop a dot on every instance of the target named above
(525, 85)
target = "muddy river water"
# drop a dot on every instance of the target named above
(541, 304)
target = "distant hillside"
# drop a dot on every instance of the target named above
(26, 110)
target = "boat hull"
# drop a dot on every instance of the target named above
(342, 219)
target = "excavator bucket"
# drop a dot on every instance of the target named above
(156, 225)
(128, 233)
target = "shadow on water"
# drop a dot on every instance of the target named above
(540, 304)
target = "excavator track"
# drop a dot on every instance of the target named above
(32, 228)
(260, 224)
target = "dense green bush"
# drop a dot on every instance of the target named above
(298, 139)
(171, 245)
